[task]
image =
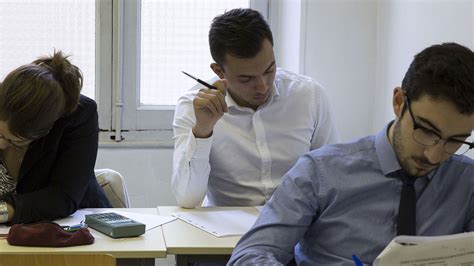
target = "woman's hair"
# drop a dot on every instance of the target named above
(34, 96)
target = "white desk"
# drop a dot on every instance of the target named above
(189, 243)
(147, 246)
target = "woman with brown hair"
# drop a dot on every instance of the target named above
(48, 143)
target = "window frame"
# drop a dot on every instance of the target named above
(103, 59)
(118, 71)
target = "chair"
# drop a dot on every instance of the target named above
(114, 187)
(57, 260)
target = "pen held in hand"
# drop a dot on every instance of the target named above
(200, 81)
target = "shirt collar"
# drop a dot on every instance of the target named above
(386, 154)
(230, 101)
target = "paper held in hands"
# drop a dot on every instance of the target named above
(455, 249)
(219, 223)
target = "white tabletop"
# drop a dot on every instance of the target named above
(149, 245)
(183, 238)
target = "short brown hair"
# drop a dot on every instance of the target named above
(34, 96)
(444, 71)
(239, 32)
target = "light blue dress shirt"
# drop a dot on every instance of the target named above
(343, 199)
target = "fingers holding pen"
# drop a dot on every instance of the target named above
(216, 98)
(209, 106)
(213, 94)
(212, 100)
(222, 86)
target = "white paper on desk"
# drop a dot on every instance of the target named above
(455, 249)
(73, 219)
(219, 223)
(4, 229)
(150, 220)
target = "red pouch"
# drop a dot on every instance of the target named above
(47, 234)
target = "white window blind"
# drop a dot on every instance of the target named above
(174, 37)
(33, 28)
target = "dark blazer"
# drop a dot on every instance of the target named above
(57, 174)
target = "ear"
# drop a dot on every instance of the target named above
(398, 101)
(218, 70)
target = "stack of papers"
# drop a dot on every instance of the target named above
(219, 223)
(455, 249)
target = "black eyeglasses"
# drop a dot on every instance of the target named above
(16, 143)
(428, 137)
(20, 144)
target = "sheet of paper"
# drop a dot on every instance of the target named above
(455, 249)
(151, 220)
(4, 229)
(219, 223)
(73, 219)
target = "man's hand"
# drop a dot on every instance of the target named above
(209, 106)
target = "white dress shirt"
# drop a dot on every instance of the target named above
(249, 151)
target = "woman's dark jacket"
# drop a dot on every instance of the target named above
(57, 174)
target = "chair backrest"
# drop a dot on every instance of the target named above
(57, 260)
(114, 186)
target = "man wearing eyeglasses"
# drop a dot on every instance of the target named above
(409, 179)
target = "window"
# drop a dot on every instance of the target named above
(131, 52)
(32, 28)
(168, 36)
(174, 38)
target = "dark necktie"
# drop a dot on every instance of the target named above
(407, 209)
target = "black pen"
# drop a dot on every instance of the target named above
(200, 81)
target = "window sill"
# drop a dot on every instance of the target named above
(146, 139)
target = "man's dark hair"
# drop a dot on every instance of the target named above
(444, 71)
(238, 32)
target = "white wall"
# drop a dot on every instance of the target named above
(287, 18)
(407, 27)
(340, 53)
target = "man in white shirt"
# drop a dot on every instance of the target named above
(235, 143)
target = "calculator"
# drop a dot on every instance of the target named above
(114, 225)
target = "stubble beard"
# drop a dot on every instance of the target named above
(399, 148)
